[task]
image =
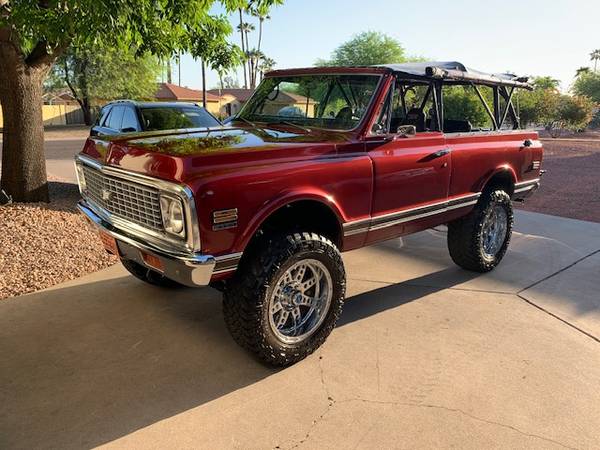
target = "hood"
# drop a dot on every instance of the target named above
(180, 154)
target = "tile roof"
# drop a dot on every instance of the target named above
(168, 91)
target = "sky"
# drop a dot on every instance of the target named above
(526, 37)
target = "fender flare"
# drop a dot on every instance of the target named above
(281, 201)
(504, 169)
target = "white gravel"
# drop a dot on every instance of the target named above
(45, 244)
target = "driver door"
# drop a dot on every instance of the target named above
(411, 179)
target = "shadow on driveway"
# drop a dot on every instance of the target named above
(84, 365)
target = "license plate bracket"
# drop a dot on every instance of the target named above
(110, 243)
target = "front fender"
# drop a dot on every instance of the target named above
(283, 199)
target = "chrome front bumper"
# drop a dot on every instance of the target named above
(185, 268)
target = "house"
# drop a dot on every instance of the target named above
(168, 92)
(234, 99)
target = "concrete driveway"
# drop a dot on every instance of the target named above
(425, 355)
(59, 151)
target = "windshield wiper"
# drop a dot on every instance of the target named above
(252, 124)
(286, 122)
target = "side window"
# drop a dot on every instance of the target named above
(130, 122)
(103, 119)
(464, 110)
(115, 118)
(382, 124)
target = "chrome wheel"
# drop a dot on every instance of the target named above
(494, 231)
(300, 301)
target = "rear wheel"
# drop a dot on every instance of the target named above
(285, 299)
(479, 241)
(148, 275)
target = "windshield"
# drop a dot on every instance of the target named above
(331, 101)
(172, 118)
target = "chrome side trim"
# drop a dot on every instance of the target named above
(192, 242)
(227, 263)
(524, 186)
(391, 219)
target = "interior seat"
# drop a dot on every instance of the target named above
(416, 117)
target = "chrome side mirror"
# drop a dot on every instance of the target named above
(406, 131)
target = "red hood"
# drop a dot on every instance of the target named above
(183, 155)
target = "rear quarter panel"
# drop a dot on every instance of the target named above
(476, 157)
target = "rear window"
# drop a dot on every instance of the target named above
(169, 118)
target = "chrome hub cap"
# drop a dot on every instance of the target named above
(495, 227)
(300, 301)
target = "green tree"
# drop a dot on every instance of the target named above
(546, 83)
(99, 72)
(365, 49)
(575, 112)
(34, 33)
(462, 103)
(208, 42)
(588, 85)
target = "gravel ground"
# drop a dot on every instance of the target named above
(45, 244)
(571, 187)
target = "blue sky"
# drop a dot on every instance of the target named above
(531, 37)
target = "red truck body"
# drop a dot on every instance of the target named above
(261, 208)
(367, 182)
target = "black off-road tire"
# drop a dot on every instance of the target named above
(465, 241)
(246, 296)
(148, 275)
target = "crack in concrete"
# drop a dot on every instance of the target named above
(460, 411)
(332, 402)
(559, 271)
(315, 422)
(556, 316)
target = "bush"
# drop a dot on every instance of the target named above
(575, 112)
(588, 84)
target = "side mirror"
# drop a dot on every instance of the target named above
(406, 131)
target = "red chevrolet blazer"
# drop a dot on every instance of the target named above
(317, 162)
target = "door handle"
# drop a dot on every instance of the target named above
(441, 153)
(527, 143)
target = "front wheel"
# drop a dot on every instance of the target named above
(479, 240)
(285, 299)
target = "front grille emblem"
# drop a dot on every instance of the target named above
(106, 195)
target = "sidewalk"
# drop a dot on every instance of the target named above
(425, 355)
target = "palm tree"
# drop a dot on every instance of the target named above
(254, 56)
(266, 64)
(241, 29)
(247, 28)
(581, 71)
(261, 11)
(595, 56)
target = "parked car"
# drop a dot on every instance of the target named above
(129, 116)
(262, 208)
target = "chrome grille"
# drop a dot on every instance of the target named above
(125, 199)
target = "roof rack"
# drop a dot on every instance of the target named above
(458, 73)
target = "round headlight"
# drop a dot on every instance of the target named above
(172, 214)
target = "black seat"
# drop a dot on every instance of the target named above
(457, 126)
(416, 117)
(344, 114)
